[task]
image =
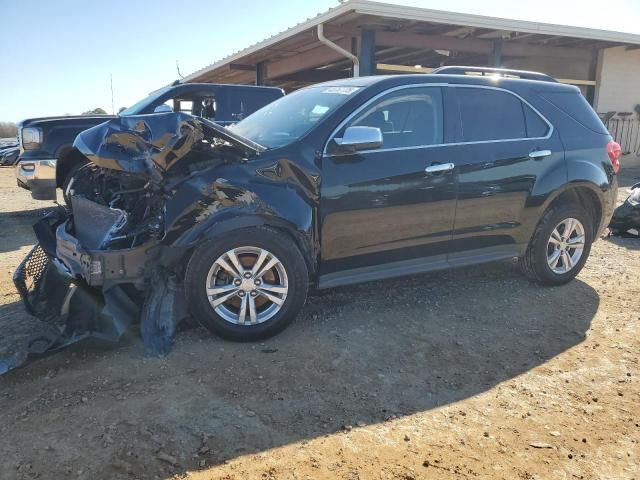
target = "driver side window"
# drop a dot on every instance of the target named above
(409, 117)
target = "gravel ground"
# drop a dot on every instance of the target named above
(474, 373)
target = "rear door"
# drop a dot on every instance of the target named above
(381, 213)
(505, 146)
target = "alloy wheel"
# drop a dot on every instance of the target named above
(565, 246)
(247, 285)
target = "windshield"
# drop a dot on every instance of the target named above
(140, 106)
(286, 120)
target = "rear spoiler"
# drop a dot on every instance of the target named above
(501, 72)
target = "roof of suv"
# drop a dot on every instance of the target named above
(492, 81)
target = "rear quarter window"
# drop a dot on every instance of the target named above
(577, 107)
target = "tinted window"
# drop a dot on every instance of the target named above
(292, 116)
(407, 118)
(234, 105)
(536, 127)
(490, 115)
(576, 106)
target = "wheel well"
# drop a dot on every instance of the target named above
(67, 159)
(587, 199)
(295, 238)
(309, 259)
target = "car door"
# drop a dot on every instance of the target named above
(381, 213)
(505, 147)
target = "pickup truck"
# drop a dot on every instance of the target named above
(48, 160)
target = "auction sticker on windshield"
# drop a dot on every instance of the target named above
(341, 90)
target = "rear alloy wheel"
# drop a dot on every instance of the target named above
(248, 285)
(560, 245)
(565, 246)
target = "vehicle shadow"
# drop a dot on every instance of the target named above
(356, 355)
(17, 228)
(18, 328)
(628, 177)
(628, 242)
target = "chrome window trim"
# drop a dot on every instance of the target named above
(446, 85)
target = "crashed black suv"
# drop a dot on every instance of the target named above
(350, 181)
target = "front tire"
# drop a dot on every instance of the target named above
(67, 185)
(248, 285)
(560, 245)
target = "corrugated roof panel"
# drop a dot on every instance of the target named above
(352, 10)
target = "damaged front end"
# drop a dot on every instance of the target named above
(102, 265)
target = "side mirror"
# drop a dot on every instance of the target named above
(359, 138)
(162, 109)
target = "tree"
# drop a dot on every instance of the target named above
(95, 111)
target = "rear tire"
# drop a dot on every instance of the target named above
(259, 304)
(555, 255)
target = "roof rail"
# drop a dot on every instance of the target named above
(501, 72)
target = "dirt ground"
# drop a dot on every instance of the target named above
(474, 373)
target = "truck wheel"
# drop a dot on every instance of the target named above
(67, 185)
(248, 285)
(560, 246)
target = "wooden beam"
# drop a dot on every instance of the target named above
(386, 67)
(468, 45)
(460, 32)
(495, 57)
(511, 49)
(313, 58)
(432, 42)
(260, 73)
(493, 34)
(315, 76)
(238, 66)
(367, 53)
(573, 81)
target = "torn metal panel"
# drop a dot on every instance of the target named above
(164, 308)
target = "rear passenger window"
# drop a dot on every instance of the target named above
(409, 117)
(496, 115)
(536, 127)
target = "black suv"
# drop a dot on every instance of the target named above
(343, 182)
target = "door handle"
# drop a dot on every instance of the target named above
(440, 167)
(539, 154)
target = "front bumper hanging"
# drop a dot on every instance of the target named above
(77, 293)
(69, 310)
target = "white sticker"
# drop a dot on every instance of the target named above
(341, 90)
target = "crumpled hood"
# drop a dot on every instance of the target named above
(130, 143)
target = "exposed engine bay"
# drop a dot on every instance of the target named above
(118, 210)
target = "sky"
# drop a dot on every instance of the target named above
(57, 56)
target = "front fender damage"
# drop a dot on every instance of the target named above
(156, 186)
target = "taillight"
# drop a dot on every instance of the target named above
(614, 151)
